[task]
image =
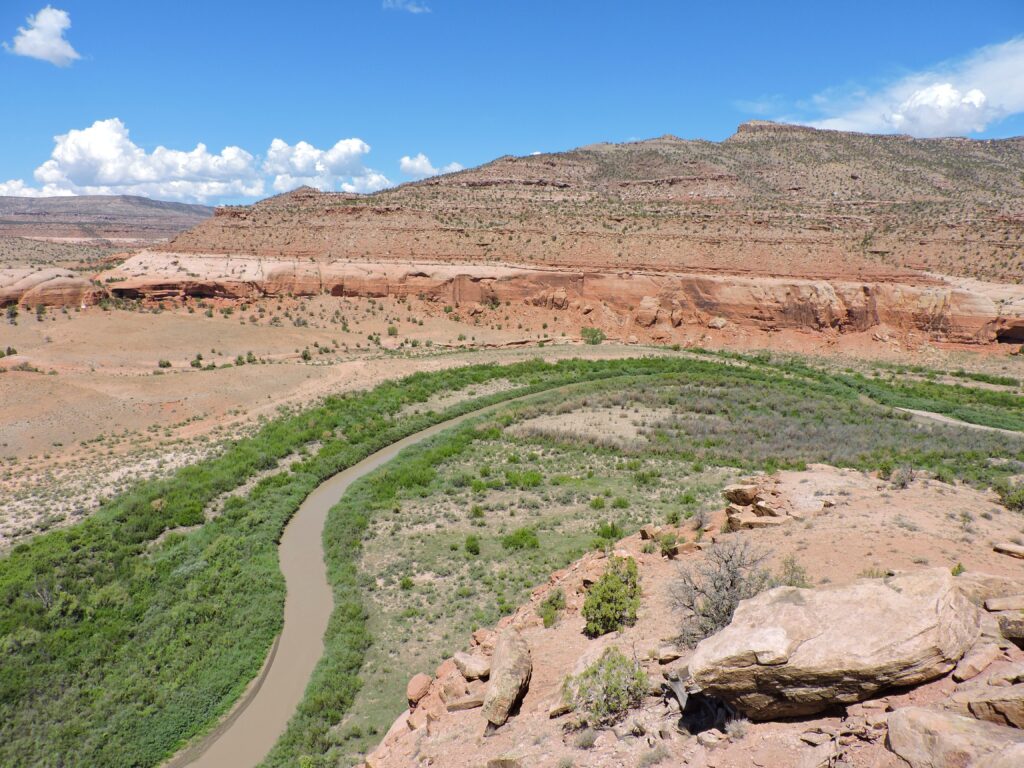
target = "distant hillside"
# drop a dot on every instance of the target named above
(98, 217)
(771, 199)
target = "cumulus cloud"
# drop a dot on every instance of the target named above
(44, 39)
(419, 167)
(340, 167)
(959, 97)
(410, 6)
(103, 160)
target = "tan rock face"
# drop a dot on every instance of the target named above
(766, 303)
(1003, 705)
(511, 668)
(795, 651)
(51, 287)
(931, 739)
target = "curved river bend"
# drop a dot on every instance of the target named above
(252, 728)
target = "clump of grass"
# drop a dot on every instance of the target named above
(551, 606)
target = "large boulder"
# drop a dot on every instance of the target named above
(927, 738)
(792, 651)
(511, 668)
(647, 312)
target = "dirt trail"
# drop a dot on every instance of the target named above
(943, 419)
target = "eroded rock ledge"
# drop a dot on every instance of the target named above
(652, 302)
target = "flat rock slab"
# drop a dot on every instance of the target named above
(1011, 603)
(790, 652)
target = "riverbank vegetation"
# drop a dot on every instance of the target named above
(127, 635)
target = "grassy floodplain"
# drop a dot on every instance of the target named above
(119, 642)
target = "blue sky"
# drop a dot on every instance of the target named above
(348, 88)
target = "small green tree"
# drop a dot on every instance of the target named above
(472, 545)
(592, 335)
(607, 689)
(613, 601)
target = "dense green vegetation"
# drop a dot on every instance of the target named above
(115, 651)
(117, 646)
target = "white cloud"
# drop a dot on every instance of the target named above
(411, 6)
(955, 98)
(419, 167)
(340, 167)
(43, 38)
(103, 160)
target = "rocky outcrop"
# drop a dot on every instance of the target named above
(653, 300)
(1000, 704)
(51, 287)
(795, 651)
(927, 738)
(511, 668)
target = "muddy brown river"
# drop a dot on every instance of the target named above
(251, 729)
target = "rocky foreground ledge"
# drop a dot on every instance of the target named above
(922, 668)
(650, 304)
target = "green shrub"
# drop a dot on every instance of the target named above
(392, 330)
(472, 545)
(592, 335)
(612, 602)
(521, 538)
(597, 502)
(164, 364)
(607, 689)
(405, 583)
(551, 606)
(667, 544)
(1012, 496)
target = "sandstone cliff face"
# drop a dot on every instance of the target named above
(50, 287)
(649, 300)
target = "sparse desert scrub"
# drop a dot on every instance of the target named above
(708, 593)
(606, 690)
